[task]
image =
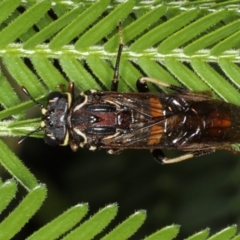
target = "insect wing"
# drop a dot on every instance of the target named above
(145, 129)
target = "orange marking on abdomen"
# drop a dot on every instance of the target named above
(220, 120)
(156, 108)
(219, 123)
(156, 132)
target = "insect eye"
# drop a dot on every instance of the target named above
(50, 140)
(54, 96)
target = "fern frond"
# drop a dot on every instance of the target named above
(194, 44)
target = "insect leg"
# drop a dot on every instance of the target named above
(114, 86)
(71, 89)
(160, 157)
(142, 85)
(114, 151)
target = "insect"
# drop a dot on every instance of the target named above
(182, 120)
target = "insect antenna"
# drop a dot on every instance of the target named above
(40, 105)
(114, 86)
(29, 134)
(31, 97)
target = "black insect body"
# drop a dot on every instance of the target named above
(183, 120)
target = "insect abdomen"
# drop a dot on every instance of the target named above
(210, 123)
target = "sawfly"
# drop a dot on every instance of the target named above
(182, 120)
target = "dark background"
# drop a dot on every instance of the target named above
(198, 193)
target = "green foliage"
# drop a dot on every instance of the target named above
(67, 224)
(45, 43)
